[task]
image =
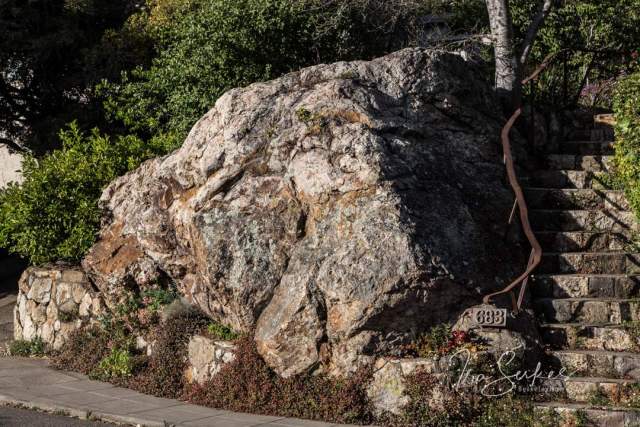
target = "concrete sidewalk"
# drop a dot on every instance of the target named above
(32, 383)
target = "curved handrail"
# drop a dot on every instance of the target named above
(536, 249)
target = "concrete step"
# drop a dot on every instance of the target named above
(598, 363)
(583, 241)
(566, 179)
(592, 132)
(596, 389)
(587, 310)
(587, 147)
(582, 133)
(578, 162)
(590, 263)
(582, 336)
(585, 286)
(584, 414)
(583, 220)
(579, 199)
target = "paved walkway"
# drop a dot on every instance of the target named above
(33, 384)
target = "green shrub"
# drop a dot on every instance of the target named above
(154, 299)
(118, 364)
(65, 316)
(24, 348)
(627, 131)
(54, 214)
(221, 332)
(206, 47)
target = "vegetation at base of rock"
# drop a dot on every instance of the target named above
(439, 340)
(83, 351)
(34, 347)
(162, 374)
(627, 131)
(155, 299)
(247, 384)
(54, 214)
(117, 364)
(219, 331)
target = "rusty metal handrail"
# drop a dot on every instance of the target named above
(536, 250)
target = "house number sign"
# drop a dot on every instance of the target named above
(489, 316)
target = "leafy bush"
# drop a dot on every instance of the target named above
(117, 364)
(221, 332)
(54, 214)
(607, 26)
(206, 47)
(627, 130)
(154, 299)
(25, 348)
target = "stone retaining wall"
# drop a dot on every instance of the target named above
(53, 302)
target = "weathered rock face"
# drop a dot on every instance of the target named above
(52, 303)
(205, 358)
(337, 210)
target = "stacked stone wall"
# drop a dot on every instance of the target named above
(52, 303)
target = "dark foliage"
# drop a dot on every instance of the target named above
(249, 385)
(52, 52)
(163, 374)
(83, 352)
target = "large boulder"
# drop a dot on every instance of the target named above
(336, 211)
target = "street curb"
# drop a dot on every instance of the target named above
(83, 414)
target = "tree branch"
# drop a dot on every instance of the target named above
(14, 146)
(536, 23)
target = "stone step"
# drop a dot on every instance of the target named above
(585, 286)
(579, 199)
(566, 179)
(583, 414)
(587, 310)
(581, 336)
(590, 263)
(598, 132)
(583, 133)
(595, 389)
(578, 162)
(583, 241)
(586, 147)
(583, 220)
(598, 363)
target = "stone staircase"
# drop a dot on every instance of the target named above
(586, 291)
